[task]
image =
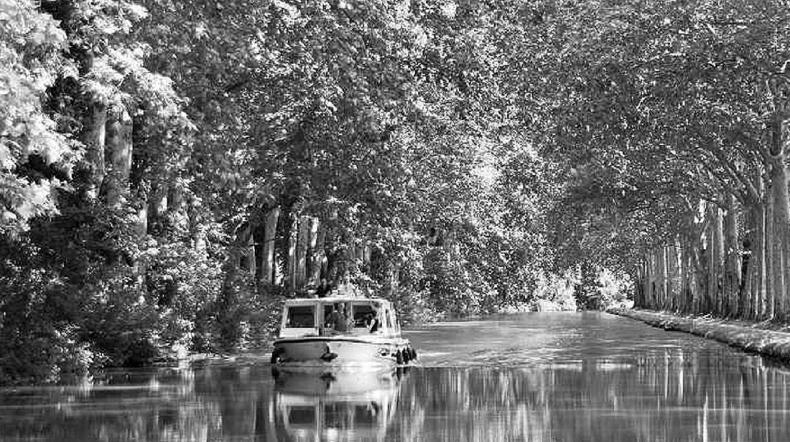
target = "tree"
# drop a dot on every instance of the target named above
(35, 159)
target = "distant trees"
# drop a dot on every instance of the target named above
(671, 117)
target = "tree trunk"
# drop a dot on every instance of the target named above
(732, 272)
(642, 284)
(179, 210)
(649, 283)
(331, 245)
(708, 304)
(760, 284)
(675, 280)
(250, 252)
(782, 232)
(119, 151)
(267, 261)
(158, 201)
(141, 223)
(317, 254)
(715, 261)
(780, 221)
(189, 216)
(747, 289)
(393, 278)
(637, 277)
(302, 244)
(350, 257)
(245, 248)
(313, 259)
(95, 142)
(770, 256)
(687, 272)
(700, 287)
(359, 256)
(140, 229)
(661, 283)
(291, 264)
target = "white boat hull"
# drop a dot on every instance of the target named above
(330, 351)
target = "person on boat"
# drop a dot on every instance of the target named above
(337, 319)
(373, 323)
(333, 318)
(345, 287)
(323, 288)
(350, 323)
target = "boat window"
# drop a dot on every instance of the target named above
(327, 313)
(300, 316)
(301, 415)
(361, 312)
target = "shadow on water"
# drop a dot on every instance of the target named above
(557, 378)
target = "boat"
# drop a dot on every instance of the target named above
(340, 331)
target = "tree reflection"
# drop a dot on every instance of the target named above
(672, 395)
(169, 405)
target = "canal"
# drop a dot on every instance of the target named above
(535, 376)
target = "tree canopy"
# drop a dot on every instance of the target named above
(170, 170)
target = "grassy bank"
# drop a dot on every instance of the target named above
(765, 338)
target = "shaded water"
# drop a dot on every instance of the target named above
(540, 376)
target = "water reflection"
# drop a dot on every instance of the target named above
(669, 396)
(589, 387)
(339, 406)
(213, 403)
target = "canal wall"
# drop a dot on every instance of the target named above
(747, 337)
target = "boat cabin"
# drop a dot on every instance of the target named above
(338, 316)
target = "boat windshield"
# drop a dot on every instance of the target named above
(300, 316)
(338, 316)
(362, 314)
(352, 316)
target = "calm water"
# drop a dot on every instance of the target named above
(540, 376)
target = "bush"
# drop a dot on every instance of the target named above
(36, 344)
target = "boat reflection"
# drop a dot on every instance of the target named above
(335, 406)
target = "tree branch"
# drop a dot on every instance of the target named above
(751, 194)
(725, 184)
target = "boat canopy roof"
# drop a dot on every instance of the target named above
(337, 299)
(304, 317)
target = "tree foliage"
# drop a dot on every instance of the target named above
(170, 170)
(145, 144)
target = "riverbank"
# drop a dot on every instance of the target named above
(765, 338)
